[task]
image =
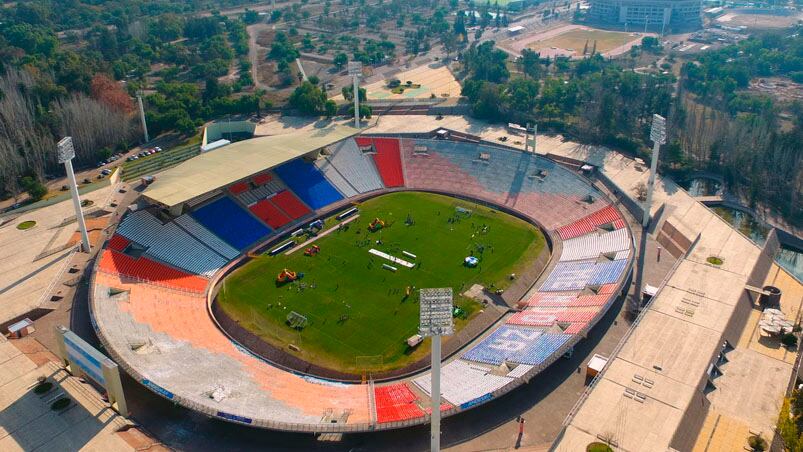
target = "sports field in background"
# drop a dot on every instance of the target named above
(574, 40)
(354, 307)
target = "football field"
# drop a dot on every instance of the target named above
(357, 310)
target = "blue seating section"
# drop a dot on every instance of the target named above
(231, 223)
(569, 276)
(508, 171)
(518, 345)
(308, 183)
(608, 272)
(577, 275)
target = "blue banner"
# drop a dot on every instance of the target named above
(158, 389)
(234, 417)
(477, 401)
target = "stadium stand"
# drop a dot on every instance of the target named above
(516, 344)
(388, 161)
(169, 243)
(229, 222)
(607, 272)
(270, 214)
(206, 236)
(463, 382)
(396, 403)
(260, 192)
(291, 205)
(239, 187)
(607, 216)
(590, 246)
(118, 243)
(262, 179)
(572, 275)
(145, 269)
(308, 183)
(355, 167)
(333, 175)
(524, 181)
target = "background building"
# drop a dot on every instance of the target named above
(658, 14)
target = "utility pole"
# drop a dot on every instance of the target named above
(355, 69)
(658, 137)
(66, 152)
(142, 116)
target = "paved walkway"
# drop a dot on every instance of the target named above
(28, 423)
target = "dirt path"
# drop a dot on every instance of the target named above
(253, 53)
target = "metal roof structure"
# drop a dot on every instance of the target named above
(224, 166)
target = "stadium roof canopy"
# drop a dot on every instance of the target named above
(221, 167)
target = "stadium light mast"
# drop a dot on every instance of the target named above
(142, 116)
(66, 152)
(436, 321)
(658, 137)
(355, 69)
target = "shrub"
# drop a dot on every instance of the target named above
(598, 447)
(713, 260)
(34, 188)
(43, 387)
(789, 340)
(60, 404)
(757, 443)
(26, 225)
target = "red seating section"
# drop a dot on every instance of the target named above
(239, 187)
(118, 242)
(261, 179)
(388, 161)
(396, 403)
(270, 214)
(589, 223)
(146, 269)
(290, 204)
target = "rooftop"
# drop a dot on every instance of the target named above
(221, 167)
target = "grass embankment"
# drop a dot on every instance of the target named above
(355, 307)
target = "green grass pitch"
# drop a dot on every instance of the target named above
(354, 307)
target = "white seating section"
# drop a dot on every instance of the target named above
(169, 243)
(206, 236)
(255, 195)
(463, 382)
(337, 179)
(590, 246)
(354, 167)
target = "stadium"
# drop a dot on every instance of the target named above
(272, 282)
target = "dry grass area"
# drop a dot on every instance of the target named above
(574, 41)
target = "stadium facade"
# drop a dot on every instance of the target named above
(655, 14)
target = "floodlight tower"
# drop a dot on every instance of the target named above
(66, 152)
(142, 116)
(658, 137)
(355, 69)
(436, 321)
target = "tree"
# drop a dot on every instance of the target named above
(522, 94)
(485, 62)
(531, 63)
(460, 25)
(485, 98)
(107, 91)
(308, 99)
(348, 93)
(340, 60)
(36, 190)
(250, 16)
(330, 108)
